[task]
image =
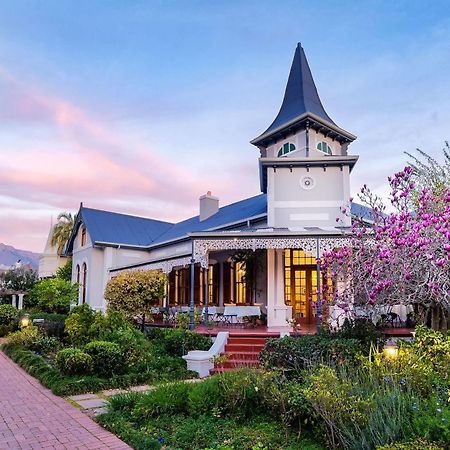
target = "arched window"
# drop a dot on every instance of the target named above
(324, 147)
(83, 286)
(78, 280)
(287, 148)
(83, 235)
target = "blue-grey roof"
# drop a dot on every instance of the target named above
(361, 211)
(106, 226)
(301, 94)
(114, 228)
(236, 212)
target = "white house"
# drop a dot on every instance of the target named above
(304, 169)
(49, 260)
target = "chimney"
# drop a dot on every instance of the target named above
(209, 205)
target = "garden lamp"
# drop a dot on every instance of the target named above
(25, 321)
(390, 349)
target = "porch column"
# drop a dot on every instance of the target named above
(206, 296)
(277, 312)
(20, 306)
(14, 300)
(192, 294)
(221, 284)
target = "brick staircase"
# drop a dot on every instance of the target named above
(240, 352)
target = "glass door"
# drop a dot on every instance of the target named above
(304, 294)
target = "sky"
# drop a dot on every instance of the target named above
(140, 107)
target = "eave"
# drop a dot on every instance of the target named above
(299, 123)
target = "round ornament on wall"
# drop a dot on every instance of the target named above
(307, 182)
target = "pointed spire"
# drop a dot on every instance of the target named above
(301, 94)
(300, 99)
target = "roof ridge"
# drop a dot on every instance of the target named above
(128, 215)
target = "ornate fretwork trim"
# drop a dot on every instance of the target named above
(203, 247)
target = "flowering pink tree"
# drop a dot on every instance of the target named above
(401, 258)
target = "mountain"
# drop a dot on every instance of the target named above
(10, 256)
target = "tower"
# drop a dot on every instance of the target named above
(304, 165)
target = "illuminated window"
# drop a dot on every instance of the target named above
(83, 236)
(240, 286)
(324, 148)
(213, 285)
(287, 148)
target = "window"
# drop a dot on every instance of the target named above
(83, 287)
(287, 148)
(78, 280)
(324, 148)
(83, 236)
(213, 284)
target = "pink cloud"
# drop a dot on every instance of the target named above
(92, 162)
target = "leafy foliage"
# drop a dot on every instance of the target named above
(65, 272)
(107, 358)
(134, 293)
(178, 342)
(54, 295)
(18, 279)
(73, 361)
(294, 354)
(8, 314)
(78, 324)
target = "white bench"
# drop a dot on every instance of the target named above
(202, 361)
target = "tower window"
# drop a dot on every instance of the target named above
(324, 147)
(287, 148)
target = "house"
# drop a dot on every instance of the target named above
(304, 169)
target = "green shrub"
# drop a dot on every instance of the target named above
(364, 331)
(164, 400)
(25, 337)
(78, 324)
(337, 403)
(298, 353)
(53, 295)
(8, 315)
(207, 397)
(65, 272)
(178, 342)
(135, 347)
(7, 329)
(73, 361)
(45, 345)
(107, 357)
(418, 444)
(431, 419)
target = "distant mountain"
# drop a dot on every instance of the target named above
(10, 256)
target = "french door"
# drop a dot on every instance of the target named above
(304, 294)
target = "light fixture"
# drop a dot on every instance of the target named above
(390, 349)
(25, 321)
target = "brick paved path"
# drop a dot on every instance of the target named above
(31, 417)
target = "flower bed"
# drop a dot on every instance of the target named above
(93, 351)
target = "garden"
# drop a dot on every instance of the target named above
(312, 392)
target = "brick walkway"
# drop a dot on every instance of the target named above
(31, 417)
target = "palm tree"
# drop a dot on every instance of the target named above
(62, 230)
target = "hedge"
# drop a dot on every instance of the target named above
(64, 385)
